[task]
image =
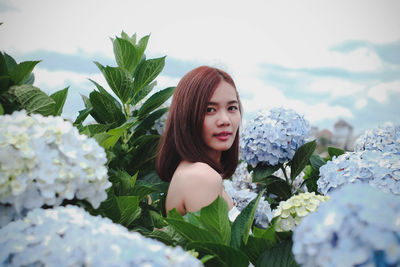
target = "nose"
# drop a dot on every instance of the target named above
(223, 119)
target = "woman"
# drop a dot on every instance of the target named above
(200, 143)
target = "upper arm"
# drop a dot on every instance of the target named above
(202, 187)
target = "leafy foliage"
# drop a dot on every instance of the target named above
(17, 91)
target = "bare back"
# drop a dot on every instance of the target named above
(193, 186)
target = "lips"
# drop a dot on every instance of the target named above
(223, 136)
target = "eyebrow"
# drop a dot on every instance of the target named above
(229, 103)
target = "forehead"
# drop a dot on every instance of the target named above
(224, 93)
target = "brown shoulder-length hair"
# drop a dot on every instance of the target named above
(182, 138)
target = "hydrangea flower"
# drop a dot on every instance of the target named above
(69, 236)
(44, 160)
(385, 139)
(242, 178)
(242, 197)
(292, 211)
(358, 226)
(273, 137)
(377, 168)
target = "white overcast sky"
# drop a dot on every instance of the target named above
(328, 60)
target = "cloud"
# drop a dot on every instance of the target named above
(336, 87)
(361, 103)
(380, 92)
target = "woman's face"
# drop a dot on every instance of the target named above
(222, 120)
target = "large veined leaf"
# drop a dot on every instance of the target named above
(142, 44)
(22, 71)
(192, 232)
(155, 101)
(242, 224)
(10, 62)
(147, 71)
(279, 256)
(225, 255)
(4, 83)
(93, 129)
(59, 97)
(301, 158)
(143, 93)
(148, 122)
(119, 81)
(316, 162)
(128, 206)
(1, 110)
(256, 246)
(215, 218)
(3, 65)
(106, 109)
(107, 94)
(261, 172)
(125, 55)
(33, 100)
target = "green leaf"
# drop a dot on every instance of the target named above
(155, 101)
(3, 65)
(4, 83)
(106, 109)
(277, 186)
(215, 218)
(316, 162)
(192, 232)
(148, 122)
(125, 55)
(255, 247)
(106, 94)
(30, 79)
(333, 151)
(128, 206)
(10, 62)
(174, 214)
(141, 46)
(241, 226)
(1, 110)
(143, 93)
(93, 129)
(83, 114)
(119, 81)
(59, 97)
(301, 158)
(147, 71)
(34, 100)
(21, 72)
(261, 172)
(226, 256)
(279, 256)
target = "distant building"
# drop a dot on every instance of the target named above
(343, 135)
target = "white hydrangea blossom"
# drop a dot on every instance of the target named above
(44, 160)
(69, 236)
(273, 137)
(379, 169)
(358, 226)
(385, 138)
(242, 197)
(292, 211)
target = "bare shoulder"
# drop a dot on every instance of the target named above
(199, 173)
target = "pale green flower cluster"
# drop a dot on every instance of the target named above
(292, 211)
(44, 160)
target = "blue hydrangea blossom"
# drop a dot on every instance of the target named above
(358, 226)
(69, 236)
(273, 137)
(377, 168)
(385, 138)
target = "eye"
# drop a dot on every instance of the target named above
(233, 108)
(210, 109)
